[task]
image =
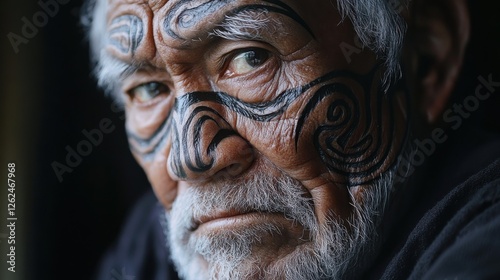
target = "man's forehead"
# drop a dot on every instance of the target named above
(203, 6)
(184, 23)
(151, 3)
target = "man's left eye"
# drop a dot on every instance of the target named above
(147, 92)
(246, 61)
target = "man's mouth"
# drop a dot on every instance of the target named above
(222, 217)
(233, 221)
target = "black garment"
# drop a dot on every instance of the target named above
(141, 252)
(449, 221)
(447, 228)
(459, 238)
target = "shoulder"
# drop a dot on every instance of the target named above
(458, 237)
(450, 226)
(140, 252)
(469, 245)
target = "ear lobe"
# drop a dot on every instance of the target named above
(439, 31)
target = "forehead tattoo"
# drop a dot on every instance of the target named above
(126, 33)
(342, 124)
(186, 14)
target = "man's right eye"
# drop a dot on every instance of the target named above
(146, 93)
(246, 61)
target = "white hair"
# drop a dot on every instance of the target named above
(332, 250)
(380, 27)
(378, 24)
(93, 19)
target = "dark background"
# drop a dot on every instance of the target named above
(48, 97)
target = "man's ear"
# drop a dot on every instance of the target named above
(438, 31)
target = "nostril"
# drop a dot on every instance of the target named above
(234, 169)
(205, 145)
(231, 171)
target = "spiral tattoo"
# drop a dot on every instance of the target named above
(355, 137)
(359, 134)
(126, 33)
(181, 18)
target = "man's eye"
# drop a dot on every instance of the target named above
(247, 61)
(147, 92)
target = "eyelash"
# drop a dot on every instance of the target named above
(161, 89)
(226, 60)
(223, 66)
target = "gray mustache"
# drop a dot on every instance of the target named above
(260, 193)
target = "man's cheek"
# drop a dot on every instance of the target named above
(163, 185)
(275, 141)
(346, 128)
(155, 168)
(358, 140)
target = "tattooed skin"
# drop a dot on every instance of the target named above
(256, 133)
(351, 141)
(126, 33)
(181, 17)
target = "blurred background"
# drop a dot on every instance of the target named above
(48, 97)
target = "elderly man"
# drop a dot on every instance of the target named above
(286, 139)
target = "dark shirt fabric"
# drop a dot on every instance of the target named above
(140, 253)
(446, 226)
(448, 223)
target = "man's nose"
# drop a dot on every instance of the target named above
(204, 145)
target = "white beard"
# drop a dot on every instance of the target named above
(333, 251)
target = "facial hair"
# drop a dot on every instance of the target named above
(332, 250)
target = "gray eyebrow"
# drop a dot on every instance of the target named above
(243, 26)
(242, 23)
(189, 17)
(111, 71)
(282, 8)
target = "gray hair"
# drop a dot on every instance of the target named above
(380, 27)
(378, 24)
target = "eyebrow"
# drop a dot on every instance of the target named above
(246, 25)
(111, 71)
(283, 9)
(244, 22)
(189, 17)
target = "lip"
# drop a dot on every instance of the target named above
(219, 216)
(222, 215)
(233, 219)
(290, 232)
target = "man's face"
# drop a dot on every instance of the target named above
(267, 145)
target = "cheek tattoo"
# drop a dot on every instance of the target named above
(126, 33)
(355, 137)
(347, 119)
(359, 131)
(192, 131)
(149, 147)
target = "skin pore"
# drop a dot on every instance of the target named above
(262, 142)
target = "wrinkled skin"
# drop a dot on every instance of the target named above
(283, 101)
